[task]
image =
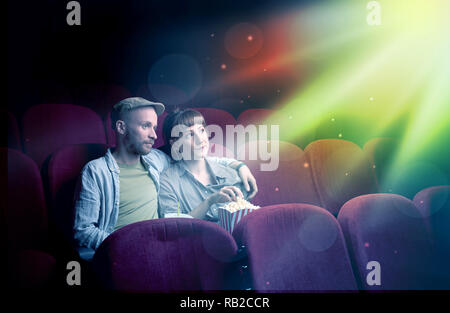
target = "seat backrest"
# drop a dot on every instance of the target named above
(295, 247)
(63, 171)
(285, 178)
(387, 229)
(25, 211)
(254, 116)
(48, 127)
(166, 255)
(434, 205)
(340, 171)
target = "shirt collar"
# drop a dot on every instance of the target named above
(114, 167)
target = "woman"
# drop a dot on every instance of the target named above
(194, 184)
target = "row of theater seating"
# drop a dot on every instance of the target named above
(288, 248)
(300, 178)
(46, 128)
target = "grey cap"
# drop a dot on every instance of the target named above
(137, 102)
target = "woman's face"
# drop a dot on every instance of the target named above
(194, 143)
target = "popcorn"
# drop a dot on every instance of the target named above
(231, 213)
(240, 204)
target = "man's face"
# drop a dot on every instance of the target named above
(140, 133)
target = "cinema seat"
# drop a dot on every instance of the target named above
(48, 127)
(289, 182)
(63, 171)
(111, 135)
(434, 204)
(295, 248)
(25, 224)
(387, 229)
(254, 116)
(340, 172)
(166, 255)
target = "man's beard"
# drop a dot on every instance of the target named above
(138, 147)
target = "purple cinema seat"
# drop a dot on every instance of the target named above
(166, 255)
(111, 135)
(388, 229)
(289, 182)
(63, 171)
(48, 127)
(434, 204)
(254, 116)
(25, 222)
(340, 171)
(295, 248)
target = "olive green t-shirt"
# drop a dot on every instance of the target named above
(138, 196)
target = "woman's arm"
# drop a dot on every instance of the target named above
(225, 194)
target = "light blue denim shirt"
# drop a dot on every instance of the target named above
(97, 197)
(181, 192)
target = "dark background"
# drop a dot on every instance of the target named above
(109, 55)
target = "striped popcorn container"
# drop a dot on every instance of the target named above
(228, 220)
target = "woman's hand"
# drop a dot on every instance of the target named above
(225, 194)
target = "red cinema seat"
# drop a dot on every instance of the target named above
(166, 255)
(254, 116)
(295, 248)
(285, 178)
(48, 127)
(387, 229)
(340, 172)
(434, 204)
(63, 171)
(25, 223)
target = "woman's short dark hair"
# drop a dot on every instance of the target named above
(187, 117)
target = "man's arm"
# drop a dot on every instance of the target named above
(87, 208)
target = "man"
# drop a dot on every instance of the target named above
(122, 187)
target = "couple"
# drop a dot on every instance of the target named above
(124, 185)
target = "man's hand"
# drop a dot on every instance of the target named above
(249, 181)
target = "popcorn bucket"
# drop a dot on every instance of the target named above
(228, 220)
